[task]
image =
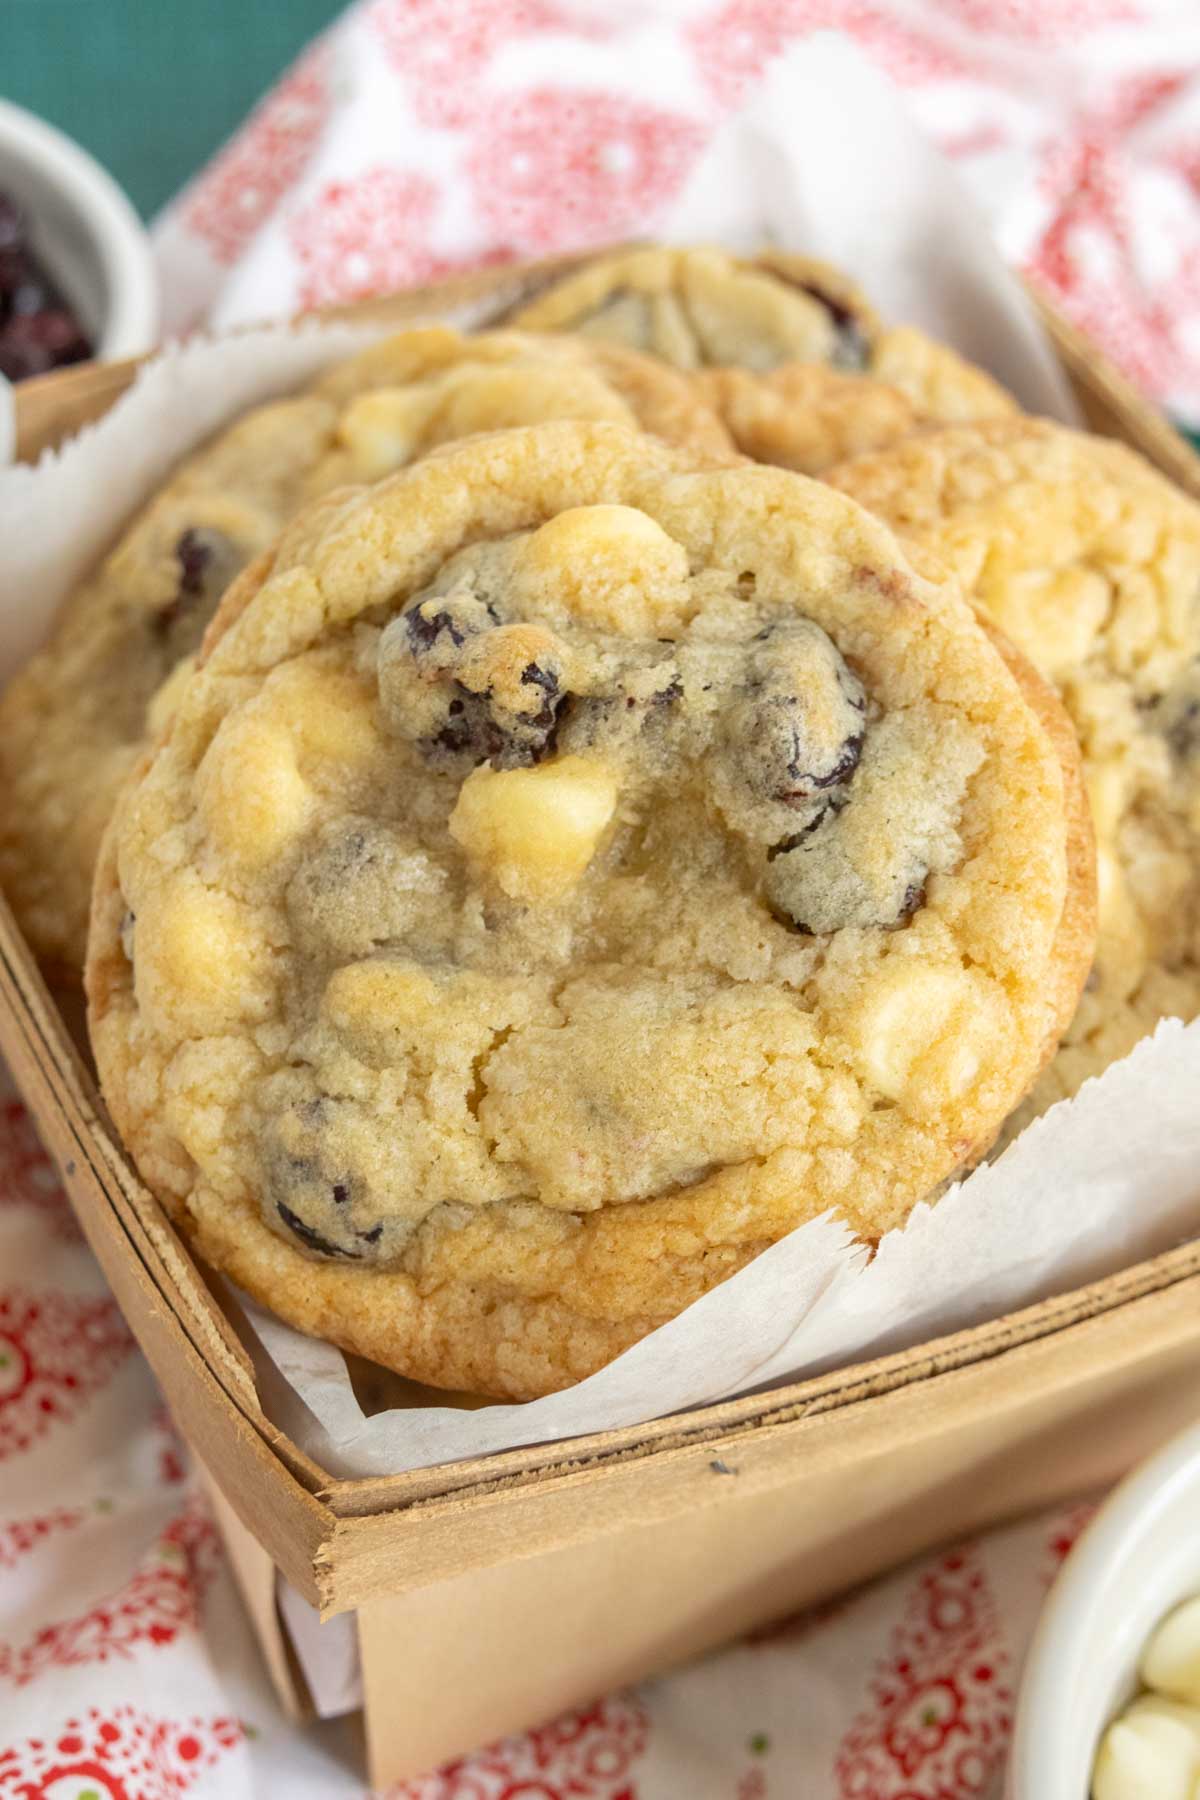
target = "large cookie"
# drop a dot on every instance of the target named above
(571, 868)
(73, 722)
(786, 349)
(1090, 561)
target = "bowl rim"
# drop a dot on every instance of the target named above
(1071, 1614)
(121, 240)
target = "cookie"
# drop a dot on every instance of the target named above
(808, 417)
(73, 722)
(785, 349)
(703, 308)
(572, 867)
(1090, 561)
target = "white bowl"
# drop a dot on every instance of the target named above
(1137, 1559)
(84, 230)
(89, 237)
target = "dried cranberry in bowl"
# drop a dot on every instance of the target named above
(38, 329)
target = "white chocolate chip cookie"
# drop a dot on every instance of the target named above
(73, 722)
(702, 308)
(785, 349)
(1089, 560)
(572, 866)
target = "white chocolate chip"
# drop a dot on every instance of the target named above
(381, 1010)
(925, 1031)
(387, 1011)
(1108, 789)
(197, 958)
(1058, 611)
(384, 430)
(609, 565)
(1124, 947)
(251, 796)
(1171, 1660)
(329, 714)
(535, 830)
(479, 399)
(1152, 1752)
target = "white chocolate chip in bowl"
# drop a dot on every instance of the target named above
(924, 1033)
(612, 566)
(1152, 1752)
(1126, 1577)
(534, 831)
(1171, 1664)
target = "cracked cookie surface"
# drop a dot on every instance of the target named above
(571, 867)
(786, 349)
(74, 720)
(1089, 560)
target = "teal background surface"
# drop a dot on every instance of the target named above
(150, 87)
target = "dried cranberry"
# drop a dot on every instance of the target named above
(800, 892)
(193, 553)
(1183, 732)
(207, 563)
(12, 222)
(547, 679)
(669, 693)
(447, 684)
(852, 346)
(796, 730)
(311, 1239)
(38, 330)
(914, 897)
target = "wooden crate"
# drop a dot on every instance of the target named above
(668, 1536)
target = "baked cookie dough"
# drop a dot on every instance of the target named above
(807, 416)
(703, 308)
(785, 349)
(571, 867)
(73, 722)
(1090, 561)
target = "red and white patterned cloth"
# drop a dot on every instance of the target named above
(421, 137)
(486, 130)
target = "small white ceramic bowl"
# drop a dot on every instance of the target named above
(85, 230)
(1139, 1557)
(87, 234)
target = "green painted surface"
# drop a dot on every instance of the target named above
(150, 87)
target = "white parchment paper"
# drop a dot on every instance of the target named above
(1100, 1182)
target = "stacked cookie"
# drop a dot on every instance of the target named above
(545, 847)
